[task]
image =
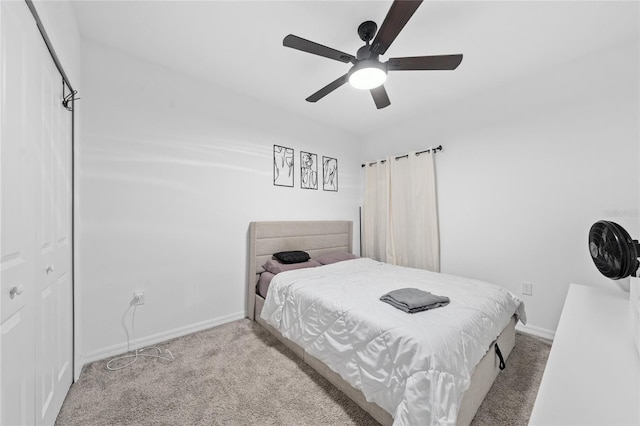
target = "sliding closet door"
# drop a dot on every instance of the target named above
(17, 214)
(53, 249)
(36, 328)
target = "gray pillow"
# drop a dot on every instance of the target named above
(275, 267)
(334, 257)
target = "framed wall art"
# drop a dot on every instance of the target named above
(283, 163)
(308, 170)
(329, 174)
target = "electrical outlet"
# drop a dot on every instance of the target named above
(138, 298)
(527, 289)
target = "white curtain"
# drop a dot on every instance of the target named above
(376, 212)
(400, 215)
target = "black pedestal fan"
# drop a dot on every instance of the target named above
(613, 251)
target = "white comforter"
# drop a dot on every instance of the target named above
(415, 366)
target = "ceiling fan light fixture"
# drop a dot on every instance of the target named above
(367, 74)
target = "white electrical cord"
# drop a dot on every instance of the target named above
(167, 355)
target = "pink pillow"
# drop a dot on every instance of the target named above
(275, 267)
(334, 257)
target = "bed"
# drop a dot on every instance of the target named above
(322, 237)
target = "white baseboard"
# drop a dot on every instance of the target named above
(536, 331)
(121, 348)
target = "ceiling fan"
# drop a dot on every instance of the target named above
(367, 72)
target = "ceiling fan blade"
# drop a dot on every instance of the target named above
(398, 15)
(380, 97)
(299, 43)
(328, 88)
(439, 62)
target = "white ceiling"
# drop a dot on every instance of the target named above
(238, 44)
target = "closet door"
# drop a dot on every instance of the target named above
(36, 309)
(53, 245)
(17, 216)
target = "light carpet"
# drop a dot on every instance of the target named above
(239, 374)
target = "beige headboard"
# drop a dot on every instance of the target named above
(314, 237)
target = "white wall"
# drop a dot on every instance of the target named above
(527, 168)
(172, 172)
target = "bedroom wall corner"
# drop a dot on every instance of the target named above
(172, 172)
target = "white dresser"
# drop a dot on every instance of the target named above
(592, 376)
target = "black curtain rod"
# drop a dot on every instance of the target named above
(436, 149)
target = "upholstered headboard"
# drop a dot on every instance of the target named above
(314, 237)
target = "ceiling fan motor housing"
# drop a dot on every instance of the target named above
(363, 53)
(612, 250)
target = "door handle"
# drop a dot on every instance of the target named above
(49, 269)
(15, 290)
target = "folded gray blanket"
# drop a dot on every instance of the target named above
(412, 300)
